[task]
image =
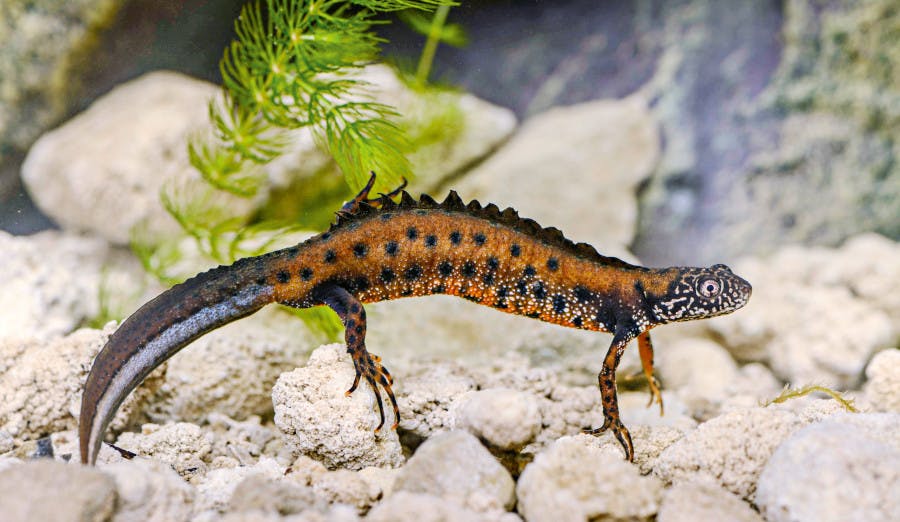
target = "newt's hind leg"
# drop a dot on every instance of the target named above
(351, 206)
(367, 366)
(607, 380)
(645, 348)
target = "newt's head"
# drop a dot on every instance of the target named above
(697, 293)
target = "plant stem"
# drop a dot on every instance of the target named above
(434, 37)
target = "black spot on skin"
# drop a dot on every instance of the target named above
(330, 257)
(578, 321)
(445, 268)
(472, 298)
(421, 212)
(439, 289)
(406, 292)
(522, 287)
(262, 281)
(354, 309)
(351, 323)
(360, 250)
(582, 294)
(501, 297)
(608, 383)
(479, 238)
(283, 276)
(529, 270)
(306, 274)
(488, 279)
(386, 216)
(292, 252)
(468, 269)
(326, 236)
(559, 303)
(387, 275)
(412, 233)
(351, 339)
(455, 237)
(493, 263)
(412, 272)
(361, 284)
(515, 250)
(391, 248)
(539, 291)
(358, 330)
(553, 264)
(533, 315)
(430, 241)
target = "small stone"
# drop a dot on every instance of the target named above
(405, 506)
(692, 501)
(844, 468)
(319, 420)
(883, 386)
(48, 490)
(150, 491)
(576, 480)
(455, 466)
(41, 383)
(729, 450)
(504, 418)
(182, 445)
(270, 495)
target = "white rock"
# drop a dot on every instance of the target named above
(47, 490)
(102, 170)
(698, 368)
(868, 264)
(150, 491)
(507, 419)
(575, 480)
(731, 450)
(215, 489)
(844, 468)
(806, 332)
(482, 125)
(427, 394)
(817, 315)
(691, 501)
(261, 493)
(41, 383)
(53, 281)
(422, 507)
(454, 466)
(232, 370)
(883, 385)
(604, 148)
(185, 447)
(319, 420)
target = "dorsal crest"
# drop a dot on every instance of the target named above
(508, 217)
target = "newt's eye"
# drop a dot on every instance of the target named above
(709, 288)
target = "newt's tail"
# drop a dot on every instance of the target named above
(157, 331)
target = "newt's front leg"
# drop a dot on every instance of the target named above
(645, 348)
(367, 366)
(607, 380)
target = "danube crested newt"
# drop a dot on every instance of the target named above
(379, 249)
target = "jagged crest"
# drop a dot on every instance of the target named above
(453, 203)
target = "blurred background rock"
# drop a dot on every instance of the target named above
(777, 119)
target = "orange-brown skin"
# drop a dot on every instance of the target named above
(380, 250)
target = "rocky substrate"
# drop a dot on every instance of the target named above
(251, 422)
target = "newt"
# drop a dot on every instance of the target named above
(378, 249)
